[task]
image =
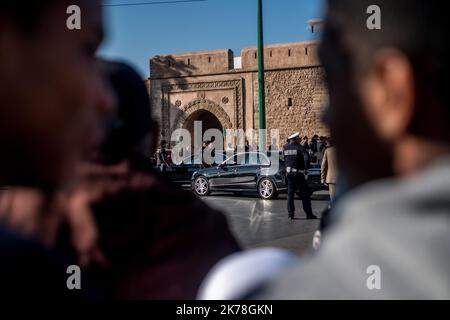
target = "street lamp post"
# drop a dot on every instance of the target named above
(261, 81)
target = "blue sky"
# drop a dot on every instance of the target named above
(136, 33)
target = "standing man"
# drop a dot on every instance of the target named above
(162, 156)
(314, 148)
(322, 146)
(295, 174)
(329, 168)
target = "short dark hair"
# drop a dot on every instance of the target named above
(26, 16)
(133, 120)
(418, 28)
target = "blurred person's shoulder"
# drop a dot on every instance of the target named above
(159, 232)
(156, 195)
(29, 270)
(396, 229)
(156, 211)
(422, 197)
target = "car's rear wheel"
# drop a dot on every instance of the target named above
(266, 189)
(201, 186)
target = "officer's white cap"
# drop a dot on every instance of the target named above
(295, 135)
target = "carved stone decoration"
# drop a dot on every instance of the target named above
(225, 100)
(178, 103)
(202, 104)
(238, 110)
(201, 95)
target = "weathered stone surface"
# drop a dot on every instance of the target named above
(283, 56)
(295, 101)
(295, 92)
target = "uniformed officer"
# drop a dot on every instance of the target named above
(295, 176)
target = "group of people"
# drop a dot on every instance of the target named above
(162, 158)
(315, 148)
(77, 189)
(297, 156)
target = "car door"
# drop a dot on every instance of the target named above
(182, 173)
(226, 177)
(314, 178)
(249, 172)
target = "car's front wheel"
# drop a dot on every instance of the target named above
(201, 186)
(266, 189)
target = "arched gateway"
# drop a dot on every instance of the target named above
(209, 113)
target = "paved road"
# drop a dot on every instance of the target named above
(262, 223)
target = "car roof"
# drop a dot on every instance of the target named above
(246, 153)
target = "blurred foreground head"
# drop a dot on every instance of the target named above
(389, 106)
(131, 130)
(52, 94)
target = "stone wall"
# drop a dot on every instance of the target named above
(290, 55)
(295, 91)
(192, 64)
(295, 101)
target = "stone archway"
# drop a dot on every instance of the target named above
(198, 105)
(208, 120)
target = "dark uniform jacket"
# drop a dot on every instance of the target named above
(294, 156)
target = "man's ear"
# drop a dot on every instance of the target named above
(389, 95)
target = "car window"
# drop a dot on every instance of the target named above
(256, 159)
(263, 160)
(197, 159)
(251, 159)
(193, 159)
(232, 161)
(219, 158)
(248, 159)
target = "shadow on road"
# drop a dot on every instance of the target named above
(314, 197)
(320, 197)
